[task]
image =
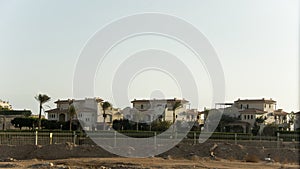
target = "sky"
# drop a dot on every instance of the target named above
(256, 41)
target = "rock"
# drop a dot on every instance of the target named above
(9, 166)
(214, 147)
(8, 160)
(62, 167)
(42, 165)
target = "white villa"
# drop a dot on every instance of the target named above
(267, 105)
(248, 110)
(88, 111)
(149, 110)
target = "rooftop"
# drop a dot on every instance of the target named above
(16, 112)
(162, 100)
(71, 100)
(280, 112)
(263, 100)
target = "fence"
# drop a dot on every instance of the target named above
(46, 138)
(37, 138)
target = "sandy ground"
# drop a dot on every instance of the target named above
(135, 163)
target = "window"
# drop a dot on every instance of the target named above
(265, 105)
(248, 116)
(142, 106)
(270, 105)
(251, 116)
(245, 116)
(241, 106)
(247, 106)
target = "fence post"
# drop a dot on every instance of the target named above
(195, 138)
(278, 140)
(50, 138)
(115, 139)
(36, 137)
(235, 138)
(74, 137)
(295, 145)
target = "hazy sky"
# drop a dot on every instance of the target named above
(256, 42)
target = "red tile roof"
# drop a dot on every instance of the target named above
(280, 112)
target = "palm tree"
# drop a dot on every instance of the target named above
(176, 105)
(41, 98)
(105, 106)
(72, 113)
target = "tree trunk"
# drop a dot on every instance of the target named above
(40, 116)
(104, 118)
(70, 123)
(173, 132)
(3, 125)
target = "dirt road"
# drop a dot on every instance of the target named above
(135, 163)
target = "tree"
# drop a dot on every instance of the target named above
(72, 113)
(291, 119)
(41, 98)
(105, 106)
(20, 122)
(122, 124)
(225, 120)
(176, 105)
(160, 125)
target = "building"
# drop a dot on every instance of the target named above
(149, 110)
(61, 112)
(247, 111)
(89, 113)
(280, 117)
(267, 105)
(7, 115)
(297, 121)
(4, 105)
(87, 110)
(250, 115)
